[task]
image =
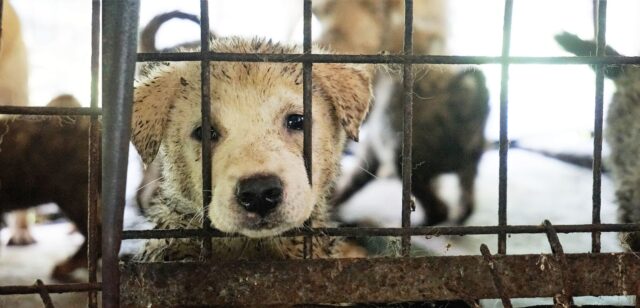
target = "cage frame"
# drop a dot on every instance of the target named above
(567, 275)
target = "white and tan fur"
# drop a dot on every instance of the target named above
(249, 106)
(13, 60)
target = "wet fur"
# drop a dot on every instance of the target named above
(167, 105)
(622, 132)
(450, 106)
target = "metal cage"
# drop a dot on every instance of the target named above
(327, 281)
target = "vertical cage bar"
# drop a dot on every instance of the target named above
(504, 133)
(119, 28)
(307, 84)
(205, 107)
(601, 25)
(407, 121)
(93, 237)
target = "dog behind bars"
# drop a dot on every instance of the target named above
(260, 187)
(622, 131)
(44, 159)
(450, 107)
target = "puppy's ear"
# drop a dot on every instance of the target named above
(348, 88)
(152, 100)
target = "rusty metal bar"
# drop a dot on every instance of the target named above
(93, 237)
(413, 231)
(307, 98)
(368, 280)
(407, 126)
(68, 111)
(119, 28)
(497, 280)
(51, 288)
(504, 125)
(597, 130)
(205, 108)
(565, 298)
(382, 59)
(44, 294)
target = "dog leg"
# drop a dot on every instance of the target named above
(364, 172)
(436, 210)
(466, 178)
(20, 235)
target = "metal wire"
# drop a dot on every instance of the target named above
(597, 130)
(205, 107)
(46, 111)
(44, 294)
(407, 126)
(381, 59)
(120, 21)
(93, 236)
(307, 97)
(504, 126)
(413, 231)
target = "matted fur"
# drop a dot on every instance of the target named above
(450, 106)
(249, 103)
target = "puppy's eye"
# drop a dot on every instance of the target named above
(197, 134)
(295, 121)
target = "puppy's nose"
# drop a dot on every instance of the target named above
(259, 194)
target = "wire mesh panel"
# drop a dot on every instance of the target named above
(93, 238)
(327, 281)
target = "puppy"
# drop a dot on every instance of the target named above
(44, 159)
(622, 131)
(450, 107)
(13, 60)
(260, 188)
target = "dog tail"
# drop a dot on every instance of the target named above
(368, 165)
(579, 47)
(148, 34)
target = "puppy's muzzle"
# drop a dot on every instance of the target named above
(259, 194)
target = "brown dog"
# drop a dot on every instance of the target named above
(260, 186)
(44, 159)
(450, 107)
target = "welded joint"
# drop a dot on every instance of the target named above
(44, 294)
(565, 297)
(497, 280)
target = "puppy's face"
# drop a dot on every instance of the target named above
(259, 180)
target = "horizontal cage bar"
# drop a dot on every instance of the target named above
(413, 231)
(397, 59)
(370, 280)
(63, 111)
(51, 288)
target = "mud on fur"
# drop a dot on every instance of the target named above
(260, 187)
